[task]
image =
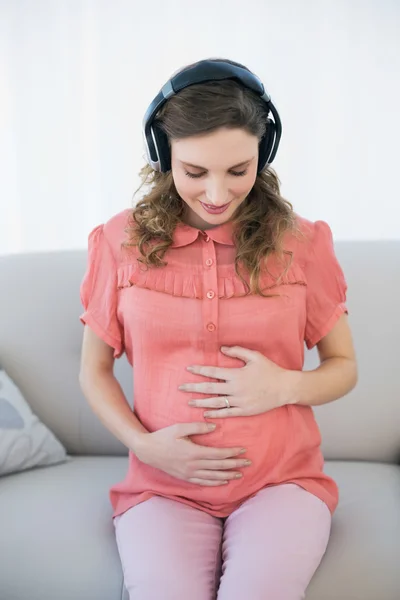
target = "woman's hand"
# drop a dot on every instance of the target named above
(171, 451)
(259, 386)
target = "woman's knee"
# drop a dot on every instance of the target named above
(177, 586)
(262, 584)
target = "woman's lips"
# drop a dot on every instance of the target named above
(214, 210)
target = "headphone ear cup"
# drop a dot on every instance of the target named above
(162, 147)
(266, 144)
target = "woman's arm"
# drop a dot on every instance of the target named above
(337, 374)
(103, 392)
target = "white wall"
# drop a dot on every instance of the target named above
(77, 75)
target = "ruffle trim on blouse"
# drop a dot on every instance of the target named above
(190, 285)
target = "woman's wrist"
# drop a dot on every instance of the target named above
(289, 388)
(140, 443)
(333, 379)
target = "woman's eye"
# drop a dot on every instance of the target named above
(197, 175)
(194, 175)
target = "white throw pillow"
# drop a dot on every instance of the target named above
(25, 442)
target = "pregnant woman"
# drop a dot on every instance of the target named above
(212, 285)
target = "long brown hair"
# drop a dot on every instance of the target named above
(262, 219)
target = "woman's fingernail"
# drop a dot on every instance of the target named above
(243, 451)
(238, 475)
(189, 368)
(247, 463)
(207, 414)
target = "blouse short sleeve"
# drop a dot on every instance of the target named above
(99, 292)
(326, 285)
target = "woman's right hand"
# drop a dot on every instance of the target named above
(171, 451)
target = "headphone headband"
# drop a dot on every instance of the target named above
(155, 140)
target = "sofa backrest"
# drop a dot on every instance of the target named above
(40, 343)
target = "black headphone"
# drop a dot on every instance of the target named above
(155, 139)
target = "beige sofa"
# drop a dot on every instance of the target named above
(56, 534)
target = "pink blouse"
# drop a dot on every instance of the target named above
(168, 318)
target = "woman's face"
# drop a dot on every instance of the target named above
(213, 174)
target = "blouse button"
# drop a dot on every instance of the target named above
(210, 294)
(211, 327)
(209, 262)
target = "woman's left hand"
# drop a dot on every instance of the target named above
(257, 387)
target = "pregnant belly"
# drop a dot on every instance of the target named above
(267, 429)
(265, 437)
(282, 444)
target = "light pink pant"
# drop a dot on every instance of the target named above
(268, 549)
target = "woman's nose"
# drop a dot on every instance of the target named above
(217, 195)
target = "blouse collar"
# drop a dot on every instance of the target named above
(185, 234)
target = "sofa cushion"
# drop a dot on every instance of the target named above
(57, 538)
(25, 442)
(362, 560)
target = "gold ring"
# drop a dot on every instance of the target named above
(227, 402)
